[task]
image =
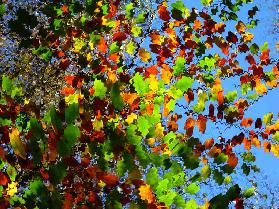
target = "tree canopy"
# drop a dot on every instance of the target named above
(117, 103)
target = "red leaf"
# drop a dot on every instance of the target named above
(3, 179)
(119, 36)
(164, 14)
(110, 179)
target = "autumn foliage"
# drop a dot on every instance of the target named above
(143, 93)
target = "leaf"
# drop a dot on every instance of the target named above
(145, 193)
(168, 198)
(71, 134)
(249, 192)
(205, 172)
(201, 123)
(72, 113)
(145, 56)
(57, 172)
(162, 187)
(7, 84)
(191, 204)
(143, 125)
(192, 189)
(2, 9)
(267, 118)
(179, 66)
(140, 85)
(276, 136)
(17, 144)
(152, 177)
(100, 89)
(130, 47)
(129, 10)
(189, 126)
(240, 27)
(184, 83)
(116, 98)
(3, 179)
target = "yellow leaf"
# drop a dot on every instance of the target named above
(145, 56)
(98, 125)
(145, 193)
(150, 141)
(159, 130)
(131, 118)
(260, 87)
(17, 144)
(153, 83)
(247, 36)
(89, 57)
(12, 189)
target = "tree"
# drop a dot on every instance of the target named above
(110, 104)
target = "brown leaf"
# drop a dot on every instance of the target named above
(201, 123)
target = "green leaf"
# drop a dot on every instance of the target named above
(100, 89)
(184, 83)
(267, 118)
(129, 10)
(205, 172)
(249, 192)
(114, 48)
(141, 18)
(71, 134)
(276, 136)
(7, 84)
(254, 48)
(152, 177)
(162, 187)
(116, 98)
(231, 96)
(11, 171)
(55, 120)
(2, 9)
(192, 189)
(57, 173)
(140, 85)
(136, 30)
(72, 113)
(179, 66)
(143, 125)
(191, 204)
(130, 48)
(167, 198)
(264, 46)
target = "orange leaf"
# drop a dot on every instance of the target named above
(189, 126)
(232, 160)
(220, 97)
(68, 90)
(256, 142)
(247, 144)
(201, 123)
(208, 143)
(145, 193)
(267, 146)
(102, 46)
(246, 122)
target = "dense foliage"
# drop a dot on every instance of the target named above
(91, 99)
